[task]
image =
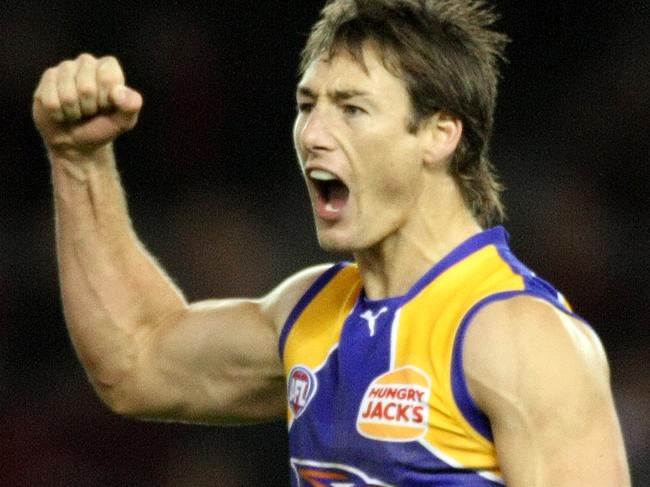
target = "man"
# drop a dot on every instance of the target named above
(437, 358)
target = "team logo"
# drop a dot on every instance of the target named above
(372, 319)
(301, 388)
(395, 406)
(317, 474)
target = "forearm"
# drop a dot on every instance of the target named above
(146, 351)
(114, 293)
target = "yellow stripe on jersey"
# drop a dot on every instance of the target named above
(425, 338)
(318, 327)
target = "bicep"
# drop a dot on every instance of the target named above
(217, 362)
(545, 387)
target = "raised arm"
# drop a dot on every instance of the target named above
(146, 350)
(542, 378)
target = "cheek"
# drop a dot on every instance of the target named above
(397, 169)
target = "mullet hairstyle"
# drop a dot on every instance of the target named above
(448, 56)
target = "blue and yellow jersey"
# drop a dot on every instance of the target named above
(376, 390)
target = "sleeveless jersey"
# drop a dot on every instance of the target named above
(376, 390)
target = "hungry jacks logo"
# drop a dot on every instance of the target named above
(395, 406)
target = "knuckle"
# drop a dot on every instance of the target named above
(87, 90)
(67, 65)
(68, 100)
(49, 77)
(110, 60)
(85, 57)
(107, 80)
(109, 70)
(50, 104)
(50, 73)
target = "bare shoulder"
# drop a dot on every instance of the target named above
(277, 305)
(542, 378)
(525, 345)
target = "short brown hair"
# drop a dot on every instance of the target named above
(448, 56)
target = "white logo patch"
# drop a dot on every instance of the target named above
(372, 319)
(301, 388)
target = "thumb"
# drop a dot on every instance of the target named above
(127, 102)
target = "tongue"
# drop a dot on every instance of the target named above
(337, 196)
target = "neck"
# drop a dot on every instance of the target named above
(391, 267)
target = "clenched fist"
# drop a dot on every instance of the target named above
(82, 105)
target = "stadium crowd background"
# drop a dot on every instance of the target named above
(215, 193)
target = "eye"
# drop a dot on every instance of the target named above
(305, 107)
(352, 110)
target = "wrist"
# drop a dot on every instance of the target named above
(79, 165)
(78, 155)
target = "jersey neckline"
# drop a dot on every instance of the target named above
(492, 236)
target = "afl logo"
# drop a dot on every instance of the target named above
(301, 388)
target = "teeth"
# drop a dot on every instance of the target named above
(321, 175)
(330, 207)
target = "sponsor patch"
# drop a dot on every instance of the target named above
(301, 388)
(318, 474)
(395, 406)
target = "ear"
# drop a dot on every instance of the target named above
(442, 136)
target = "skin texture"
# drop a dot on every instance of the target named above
(543, 381)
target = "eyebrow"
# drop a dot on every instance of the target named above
(336, 95)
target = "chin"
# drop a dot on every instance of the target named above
(339, 242)
(333, 246)
(330, 242)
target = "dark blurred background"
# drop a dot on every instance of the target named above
(215, 194)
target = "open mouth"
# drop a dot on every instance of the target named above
(331, 193)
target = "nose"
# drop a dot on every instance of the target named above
(314, 133)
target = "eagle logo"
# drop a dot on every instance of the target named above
(318, 474)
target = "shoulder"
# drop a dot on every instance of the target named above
(524, 351)
(279, 303)
(542, 378)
